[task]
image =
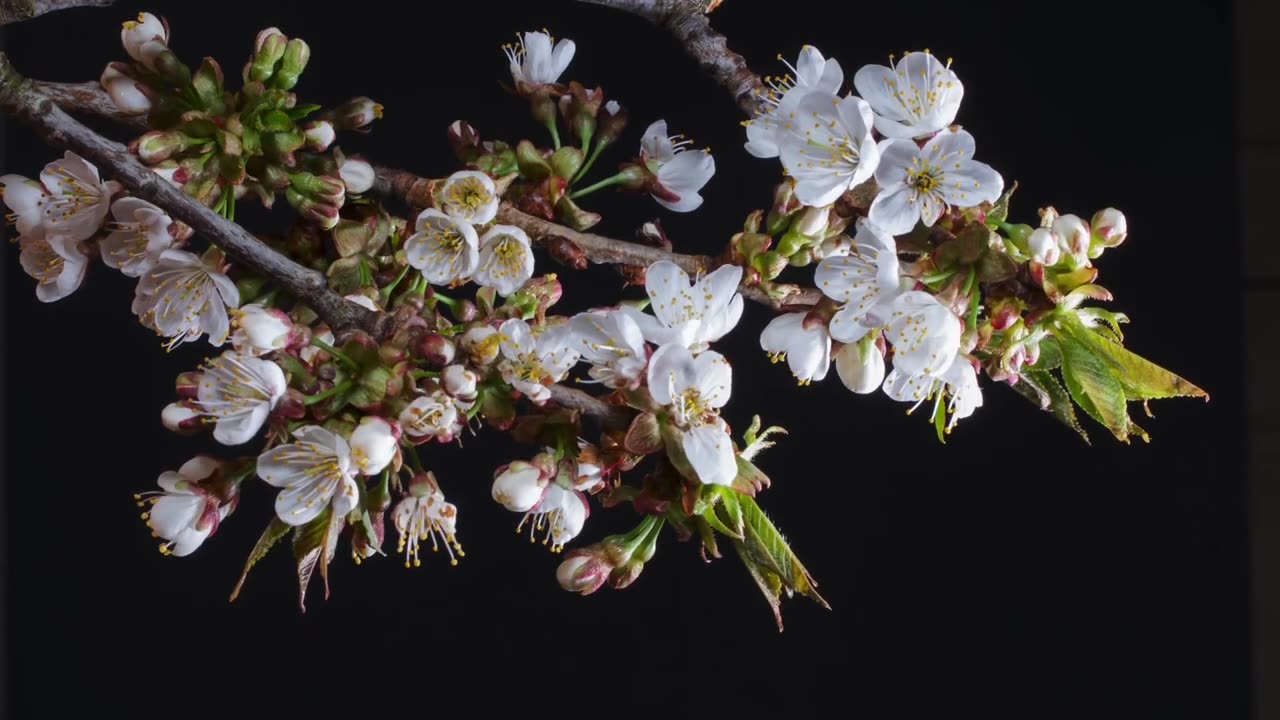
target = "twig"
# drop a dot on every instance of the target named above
(20, 98)
(613, 417)
(687, 21)
(89, 98)
(15, 11)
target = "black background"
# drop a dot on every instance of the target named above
(1014, 572)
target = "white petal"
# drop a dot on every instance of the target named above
(781, 332)
(894, 210)
(561, 57)
(720, 321)
(973, 183)
(761, 139)
(710, 452)
(672, 299)
(713, 377)
(876, 84)
(189, 540)
(656, 144)
(517, 339)
(171, 514)
(198, 468)
(671, 372)
(860, 370)
(687, 172)
(905, 387)
(346, 497)
(896, 157)
(241, 428)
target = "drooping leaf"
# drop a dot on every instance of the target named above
(767, 547)
(1050, 354)
(1140, 378)
(1042, 388)
(336, 523)
(1095, 388)
(309, 542)
(276, 529)
(769, 583)
(999, 211)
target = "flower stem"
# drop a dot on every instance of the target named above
(591, 160)
(335, 352)
(420, 374)
(390, 288)
(555, 133)
(612, 180)
(414, 461)
(335, 390)
(448, 301)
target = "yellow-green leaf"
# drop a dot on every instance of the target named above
(765, 545)
(1140, 378)
(1041, 387)
(276, 529)
(1095, 389)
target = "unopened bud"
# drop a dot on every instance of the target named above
(325, 216)
(811, 222)
(610, 122)
(1073, 235)
(465, 311)
(624, 576)
(784, 206)
(181, 418)
(481, 344)
(159, 145)
(271, 45)
(138, 33)
(292, 63)
(356, 114)
(1110, 228)
(791, 242)
(319, 135)
(1004, 313)
(770, 264)
(435, 350)
(321, 188)
(519, 486)
(1042, 245)
(459, 382)
(126, 93)
(357, 174)
(583, 571)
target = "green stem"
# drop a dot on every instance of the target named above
(389, 289)
(335, 352)
(555, 133)
(414, 461)
(420, 374)
(591, 160)
(612, 180)
(338, 389)
(448, 301)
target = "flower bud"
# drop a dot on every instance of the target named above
(271, 45)
(784, 206)
(465, 311)
(519, 486)
(158, 145)
(1004, 313)
(481, 344)
(622, 577)
(326, 216)
(860, 366)
(257, 329)
(356, 114)
(1073, 235)
(374, 444)
(435, 350)
(1110, 228)
(181, 418)
(138, 33)
(770, 264)
(583, 572)
(292, 63)
(610, 122)
(459, 382)
(463, 140)
(321, 188)
(357, 174)
(1042, 245)
(126, 93)
(319, 135)
(791, 242)
(811, 222)
(566, 162)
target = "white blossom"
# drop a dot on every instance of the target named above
(807, 350)
(144, 38)
(444, 248)
(680, 173)
(431, 417)
(356, 174)
(866, 281)
(828, 148)
(519, 486)
(506, 259)
(184, 512)
(536, 61)
(57, 268)
(920, 183)
(459, 382)
(374, 444)
(239, 392)
(184, 296)
(860, 366)
(125, 92)
(925, 334)
(470, 196)
(914, 98)
(258, 329)
(694, 389)
(959, 382)
(423, 514)
(812, 72)
(138, 235)
(313, 471)
(692, 314)
(1043, 245)
(561, 512)
(531, 363)
(612, 342)
(69, 202)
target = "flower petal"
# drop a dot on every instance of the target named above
(710, 452)
(894, 210)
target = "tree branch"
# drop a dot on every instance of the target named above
(15, 11)
(687, 21)
(89, 98)
(20, 98)
(613, 417)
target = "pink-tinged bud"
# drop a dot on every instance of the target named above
(158, 145)
(583, 572)
(125, 92)
(465, 311)
(181, 418)
(519, 486)
(357, 174)
(138, 33)
(319, 134)
(860, 366)
(325, 216)
(435, 350)
(1033, 353)
(622, 577)
(296, 55)
(257, 329)
(459, 382)
(1043, 246)
(1073, 235)
(356, 114)
(187, 385)
(1110, 228)
(1004, 313)
(481, 344)
(268, 49)
(321, 188)
(463, 140)
(264, 35)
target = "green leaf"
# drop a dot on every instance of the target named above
(274, 121)
(300, 111)
(769, 583)
(276, 529)
(766, 546)
(1140, 378)
(722, 510)
(309, 542)
(1095, 389)
(1050, 354)
(750, 479)
(1042, 388)
(999, 212)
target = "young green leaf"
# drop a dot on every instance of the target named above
(1140, 378)
(766, 546)
(1041, 387)
(309, 543)
(1095, 389)
(276, 529)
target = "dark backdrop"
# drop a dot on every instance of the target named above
(1014, 572)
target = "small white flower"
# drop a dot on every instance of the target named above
(912, 99)
(138, 236)
(519, 486)
(919, 183)
(813, 72)
(444, 248)
(57, 268)
(422, 514)
(612, 342)
(470, 196)
(144, 38)
(70, 202)
(590, 471)
(431, 417)
(506, 259)
(181, 417)
(690, 314)
(807, 350)
(239, 392)
(695, 389)
(125, 92)
(184, 512)
(356, 174)
(561, 512)
(184, 296)
(680, 173)
(531, 363)
(860, 366)
(312, 472)
(925, 334)
(535, 61)
(258, 329)
(959, 382)
(828, 147)
(374, 444)
(867, 281)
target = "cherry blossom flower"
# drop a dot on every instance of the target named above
(423, 513)
(536, 61)
(238, 392)
(374, 444)
(805, 346)
(531, 363)
(470, 196)
(828, 148)
(812, 72)
(185, 512)
(694, 389)
(693, 315)
(958, 382)
(69, 202)
(866, 281)
(506, 259)
(313, 471)
(431, 417)
(860, 366)
(925, 334)
(444, 248)
(920, 183)
(57, 269)
(612, 342)
(914, 98)
(258, 329)
(138, 236)
(184, 296)
(145, 38)
(678, 172)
